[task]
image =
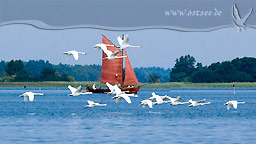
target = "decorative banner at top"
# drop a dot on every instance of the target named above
(181, 15)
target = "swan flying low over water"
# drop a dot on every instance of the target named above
(30, 96)
(93, 104)
(176, 101)
(74, 53)
(119, 94)
(146, 102)
(197, 103)
(111, 88)
(158, 99)
(77, 91)
(233, 103)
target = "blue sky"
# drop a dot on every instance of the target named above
(159, 47)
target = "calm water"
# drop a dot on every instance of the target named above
(58, 118)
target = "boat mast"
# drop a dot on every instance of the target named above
(122, 84)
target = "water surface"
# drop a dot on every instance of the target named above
(59, 118)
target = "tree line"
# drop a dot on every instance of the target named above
(40, 70)
(186, 69)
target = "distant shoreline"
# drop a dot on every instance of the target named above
(145, 85)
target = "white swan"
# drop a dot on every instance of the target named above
(238, 21)
(233, 103)
(176, 101)
(122, 95)
(197, 103)
(30, 96)
(110, 54)
(123, 42)
(77, 91)
(111, 88)
(146, 102)
(94, 86)
(158, 99)
(93, 104)
(74, 53)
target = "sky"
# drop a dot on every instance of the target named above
(159, 47)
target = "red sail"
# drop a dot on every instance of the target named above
(130, 77)
(111, 69)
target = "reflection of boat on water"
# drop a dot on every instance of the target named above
(112, 72)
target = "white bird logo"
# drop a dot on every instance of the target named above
(238, 21)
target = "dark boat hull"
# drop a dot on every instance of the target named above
(133, 89)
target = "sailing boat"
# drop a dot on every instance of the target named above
(112, 72)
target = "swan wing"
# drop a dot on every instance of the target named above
(247, 15)
(75, 54)
(90, 102)
(228, 107)
(150, 104)
(115, 53)
(234, 104)
(236, 13)
(203, 100)
(111, 88)
(173, 99)
(127, 98)
(178, 99)
(191, 101)
(158, 99)
(31, 96)
(25, 98)
(117, 89)
(72, 89)
(120, 41)
(126, 39)
(105, 50)
(151, 98)
(79, 89)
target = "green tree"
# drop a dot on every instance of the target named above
(14, 67)
(49, 74)
(183, 68)
(2, 67)
(23, 76)
(35, 67)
